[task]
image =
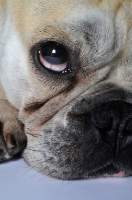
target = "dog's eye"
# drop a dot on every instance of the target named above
(53, 56)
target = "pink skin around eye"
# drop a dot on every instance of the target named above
(57, 68)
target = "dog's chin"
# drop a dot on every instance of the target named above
(68, 155)
(67, 158)
(65, 172)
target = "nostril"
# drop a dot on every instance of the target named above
(107, 115)
(126, 134)
(104, 123)
(102, 119)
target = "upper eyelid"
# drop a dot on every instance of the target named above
(65, 43)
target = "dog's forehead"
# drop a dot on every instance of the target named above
(31, 16)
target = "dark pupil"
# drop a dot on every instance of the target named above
(54, 54)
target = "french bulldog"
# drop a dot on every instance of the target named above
(66, 86)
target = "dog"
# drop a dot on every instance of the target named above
(66, 86)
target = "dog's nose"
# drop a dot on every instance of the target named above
(113, 122)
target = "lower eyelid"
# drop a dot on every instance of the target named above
(57, 68)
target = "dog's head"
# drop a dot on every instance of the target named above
(69, 71)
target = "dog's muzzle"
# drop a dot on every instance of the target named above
(90, 137)
(105, 122)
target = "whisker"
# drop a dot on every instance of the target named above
(32, 167)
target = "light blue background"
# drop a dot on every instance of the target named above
(19, 182)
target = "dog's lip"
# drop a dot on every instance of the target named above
(119, 174)
(109, 171)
